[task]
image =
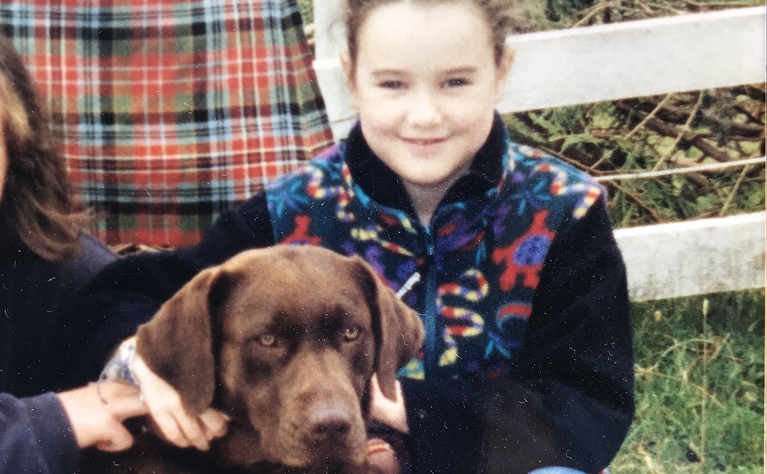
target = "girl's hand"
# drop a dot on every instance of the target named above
(390, 413)
(170, 416)
(96, 414)
(381, 458)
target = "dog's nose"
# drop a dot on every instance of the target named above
(329, 422)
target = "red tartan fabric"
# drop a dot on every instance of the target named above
(170, 111)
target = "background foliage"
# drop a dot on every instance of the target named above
(650, 133)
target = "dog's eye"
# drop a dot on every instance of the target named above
(351, 333)
(267, 340)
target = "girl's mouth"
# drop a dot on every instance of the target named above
(424, 141)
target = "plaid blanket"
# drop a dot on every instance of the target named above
(170, 111)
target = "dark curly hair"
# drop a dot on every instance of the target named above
(37, 210)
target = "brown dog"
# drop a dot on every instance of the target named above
(284, 340)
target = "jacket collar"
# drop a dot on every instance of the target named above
(383, 185)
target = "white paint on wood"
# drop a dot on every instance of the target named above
(606, 62)
(332, 83)
(634, 59)
(328, 29)
(694, 257)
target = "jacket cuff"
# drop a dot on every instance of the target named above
(53, 431)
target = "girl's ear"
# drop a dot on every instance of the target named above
(346, 65)
(502, 72)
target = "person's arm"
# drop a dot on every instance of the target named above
(36, 436)
(45, 433)
(128, 292)
(96, 411)
(570, 399)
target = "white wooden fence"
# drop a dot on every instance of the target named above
(608, 62)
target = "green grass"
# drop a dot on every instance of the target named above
(699, 386)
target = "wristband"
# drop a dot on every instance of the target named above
(120, 366)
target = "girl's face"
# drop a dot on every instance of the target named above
(425, 84)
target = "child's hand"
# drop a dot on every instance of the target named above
(170, 416)
(381, 458)
(390, 413)
(96, 414)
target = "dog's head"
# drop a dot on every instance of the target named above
(285, 341)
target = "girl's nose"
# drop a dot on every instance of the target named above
(424, 110)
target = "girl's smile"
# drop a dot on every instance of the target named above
(425, 82)
(425, 146)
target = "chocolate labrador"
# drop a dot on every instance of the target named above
(284, 340)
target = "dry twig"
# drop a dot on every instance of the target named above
(591, 13)
(734, 191)
(685, 129)
(638, 201)
(709, 150)
(648, 117)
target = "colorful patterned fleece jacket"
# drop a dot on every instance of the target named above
(528, 354)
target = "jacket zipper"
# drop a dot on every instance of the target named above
(430, 310)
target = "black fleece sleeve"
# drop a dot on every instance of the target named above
(569, 401)
(35, 436)
(128, 292)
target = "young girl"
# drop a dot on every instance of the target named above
(527, 361)
(44, 258)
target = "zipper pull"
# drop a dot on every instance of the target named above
(429, 243)
(414, 278)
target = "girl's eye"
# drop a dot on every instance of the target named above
(456, 82)
(351, 333)
(391, 85)
(267, 340)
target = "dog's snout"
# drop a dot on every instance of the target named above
(329, 422)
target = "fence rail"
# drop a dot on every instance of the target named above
(694, 257)
(608, 62)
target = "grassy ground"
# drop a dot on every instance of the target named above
(699, 386)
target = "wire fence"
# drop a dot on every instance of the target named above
(687, 170)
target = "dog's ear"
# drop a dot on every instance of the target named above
(177, 343)
(398, 331)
